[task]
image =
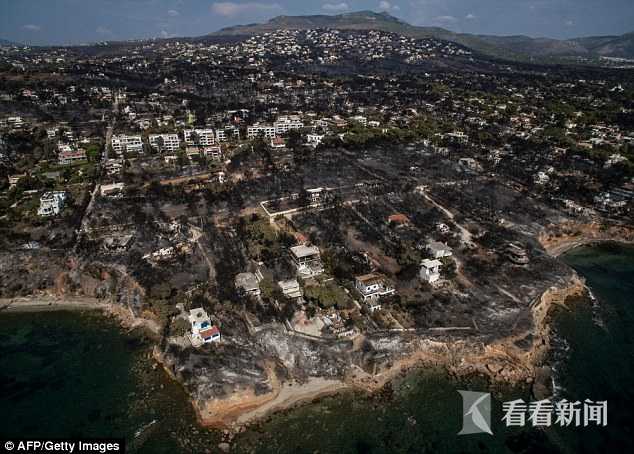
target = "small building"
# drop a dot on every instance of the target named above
(278, 142)
(248, 282)
(373, 286)
(517, 254)
(430, 270)
(13, 179)
(398, 219)
(51, 203)
(442, 228)
(70, 156)
(314, 140)
(202, 331)
(439, 250)
(307, 260)
(110, 190)
(214, 152)
(291, 288)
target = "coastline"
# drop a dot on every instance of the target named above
(46, 303)
(500, 362)
(559, 239)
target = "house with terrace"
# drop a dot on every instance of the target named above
(202, 331)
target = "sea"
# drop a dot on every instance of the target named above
(72, 374)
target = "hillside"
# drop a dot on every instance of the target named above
(498, 46)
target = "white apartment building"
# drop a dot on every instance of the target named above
(227, 133)
(267, 131)
(171, 142)
(205, 137)
(122, 143)
(285, 124)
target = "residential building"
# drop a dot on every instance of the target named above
(517, 254)
(307, 260)
(430, 270)
(278, 142)
(108, 190)
(291, 288)
(284, 124)
(214, 153)
(129, 144)
(51, 203)
(314, 139)
(70, 156)
(248, 282)
(439, 250)
(165, 142)
(258, 130)
(373, 286)
(202, 330)
(202, 137)
(227, 133)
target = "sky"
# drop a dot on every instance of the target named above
(84, 21)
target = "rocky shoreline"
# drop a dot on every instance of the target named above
(501, 363)
(518, 359)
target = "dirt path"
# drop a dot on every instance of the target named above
(464, 233)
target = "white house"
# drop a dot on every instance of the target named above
(131, 144)
(290, 288)
(430, 270)
(51, 203)
(206, 137)
(202, 331)
(439, 250)
(373, 286)
(171, 142)
(307, 260)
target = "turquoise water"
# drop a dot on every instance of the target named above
(70, 374)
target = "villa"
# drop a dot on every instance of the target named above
(373, 286)
(203, 331)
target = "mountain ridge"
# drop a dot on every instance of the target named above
(513, 46)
